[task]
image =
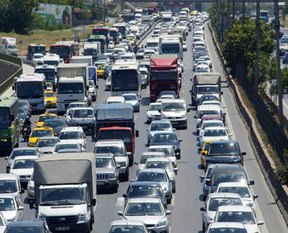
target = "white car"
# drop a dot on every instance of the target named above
(147, 155)
(68, 147)
(148, 210)
(38, 58)
(209, 123)
(11, 207)
(115, 100)
(241, 214)
(226, 227)
(127, 226)
(202, 68)
(153, 112)
(75, 134)
(213, 134)
(168, 151)
(240, 188)
(156, 126)
(46, 145)
(133, 99)
(23, 166)
(3, 223)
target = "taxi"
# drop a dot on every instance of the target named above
(45, 116)
(132, 39)
(204, 150)
(39, 132)
(49, 86)
(50, 98)
(101, 66)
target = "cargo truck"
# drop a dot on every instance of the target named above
(8, 46)
(73, 85)
(205, 84)
(116, 121)
(65, 191)
(82, 59)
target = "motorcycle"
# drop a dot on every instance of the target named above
(25, 131)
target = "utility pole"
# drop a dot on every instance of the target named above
(256, 80)
(243, 11)
(279, 76)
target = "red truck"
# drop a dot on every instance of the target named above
(163, 75)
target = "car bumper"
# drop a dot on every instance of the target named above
(110, 183)
(179, 123)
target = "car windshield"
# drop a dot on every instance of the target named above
(144, 191)
(143, 209)
(8, 186)
(159, 164)
(127, 229)
(224, 149)
(222, 176)
(208, 112)
(24, 229)
(41, 133)
(169, 152)
(23, 164)
(242, 191)
(70, 135)
(43, 118)
(244, 217)
(175, 107)
(214, 203)
(83, 113)
(7, 204)
(16, 153)
(152, 176)
(109, 149)
(67, 146)
(214, 132)
(212, 124)
(227, 230)
(160, 126)
(165, 138)
(104, 162)
(54, 124)
(47, 142)
(154, 107)
(130, 97)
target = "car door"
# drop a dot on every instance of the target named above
(20, 208)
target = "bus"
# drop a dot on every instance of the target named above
(65, 49)
(114, 35)
(35, 48)
(125, 77)
(101, 31)
(9, 124)
(122, 27)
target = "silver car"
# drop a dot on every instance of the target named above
(158, 125)
(133, 99)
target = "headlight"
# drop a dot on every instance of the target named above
(81, 218)
(162, 222)
(41, 216)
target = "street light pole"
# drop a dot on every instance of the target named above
(257, 45)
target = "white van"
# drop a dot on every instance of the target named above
(10, 183)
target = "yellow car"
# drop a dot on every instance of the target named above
(49, 86)
(51, 99)
(44, 117)
(39, 132)
(100, 71)
(204, 151)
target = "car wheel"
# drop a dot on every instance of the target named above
(203, 227)
(126, 177)
(174, 188)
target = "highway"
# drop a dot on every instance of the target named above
(186, 203)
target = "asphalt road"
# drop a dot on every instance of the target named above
(186, 203)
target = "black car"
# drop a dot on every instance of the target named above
(224, 152)
(56, 124)
(32, 226)
(285, 58)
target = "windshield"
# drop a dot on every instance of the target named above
(16, 153)
(62, 196)
(242, 191)
(83, 113)
(47, 142)
(23, 164)
(67, 146)
(214, 203)
(24, 229)
(160, 126)
(142, 209)
(152, 45)
(104, 162)
(169, 152)
(207, 90)
(50, 94)
(152, 176)
(170, 48)
(159, 164)
(164, 75)
(235, 216)
(46, 117)
(49, 74)
(37, 49)
(165, 138)
(125, 135)
(67, 88)
(124, 80)
(224, 149)
(173, 107)
(155, 107)
(127, 228)
(54, 124)
(109, 149)
(144, 191)
(7, 204)
(30, 90)
(41, 133)
(52, 63)
(8, 186)
(212, 124)
(130, 97)
(70, 135)
(5, 120)
(62, 51)
(230, 176)
(214, 133)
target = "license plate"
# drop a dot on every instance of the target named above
(62, 228)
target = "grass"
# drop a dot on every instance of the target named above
(45, 37)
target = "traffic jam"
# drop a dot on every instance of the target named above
(70, 145)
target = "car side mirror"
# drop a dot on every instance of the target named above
(180, 140)
(168, 212)
(252, 182)
(124, 195)
(93, 202)
(6, 158)
(195, 117)
(175, 169)
(31, 203)
(120, 213)
(243, 153)
(118, 166)
(255, 196)
(202, 209)
(22, 190)
(208, 182)
(20, 207)
(260, 223)
(221, 92)
(201, 178)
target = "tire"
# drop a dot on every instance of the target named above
(174, 188)
(126, 177)
(169, 200)
(203, 228)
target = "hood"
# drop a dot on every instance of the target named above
(9, 215)
(46, 150)
(251, 228)
(100, 170)
(121, 158)
(22, 172)
(174, 114)
(223, 159)
(62, 210)
(148, 220)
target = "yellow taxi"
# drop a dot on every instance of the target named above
(49, 86)
(203, 153)
(44, 117)
(101, 66)
(132, 39)
(38, 133)
(50, 98)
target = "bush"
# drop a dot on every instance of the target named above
(282, 170)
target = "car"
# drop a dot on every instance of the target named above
(118, 149)
(24, 104)
(22, 151)
(209, 123)
(38, 133)
(206, 98)
(30, 188)
(38, 58)
(35, 226)
(45, 116)
(165, 97)
(168, 152)
(149, 52)
(124, 225)
(23, 166)
(11, 207)
(148, 210)
(203, 153)
(145, 189)
(3, 223)
(146, 155)
(108, 84)
(77, 105)
(75, 134)
(213, 201)
(240, 214)
(156, 126)
(157, 175)
(101, 67)
(153, 112)
(56, 124)
(144, 81)
(48, 86)
(173, 93)
(219, 227)
(243, 190)
(224, 152)
(69, 147)
(214, 133)
(208, 110)
(107, 172)
(46, 145)
(10, 183)
(167, 138)
(93, 90)
(51, 99)
(164, 163)
(115, 99)
(23, 114)
(133, 99)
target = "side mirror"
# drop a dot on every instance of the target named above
(124, 195)
(137, 133)
(201, 178)
(175, 169)
(22, 190)
(188, 109)
(252, 182)
(6, 158)
(93, 203)
(180, 140)
(202, 209)
(136, 163)
(168, 212)
(120, 213)
(260, 223)
(243, 153)
(20, 207)
(255, 196)
(31, 203)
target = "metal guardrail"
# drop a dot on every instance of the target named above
(9, 81)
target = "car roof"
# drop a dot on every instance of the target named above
(145, 183)
(144, 200)
(152, 153)
(226, 225)
(228, 167)
(109, 142)
(215, 195)
(160, 121)
(4, 176)
(158, 159)
(33, 157)
(234, 208)
(232, 184)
